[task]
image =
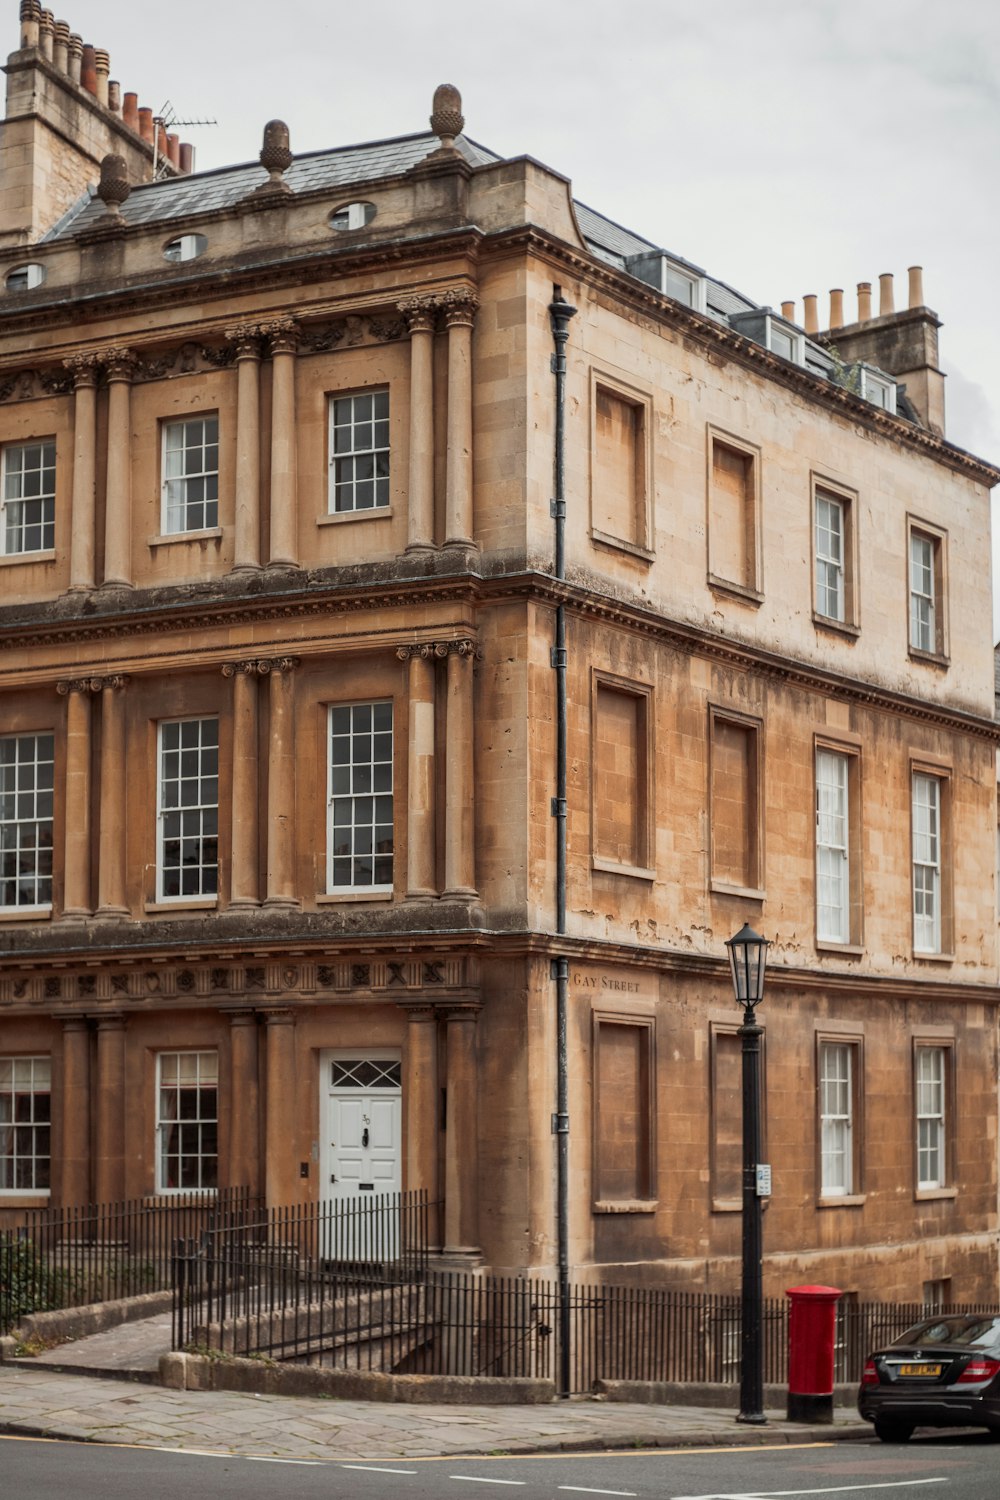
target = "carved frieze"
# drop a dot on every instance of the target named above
(352, 331)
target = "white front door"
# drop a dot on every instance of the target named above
(361, 1102)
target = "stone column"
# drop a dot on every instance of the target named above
(111, 868)
(421, 1102)
(459, 832)
(420, 313)
(76, 862)
(420, 862)
(109, 1144)
(82, 575)
(281, 785)
(244, 887)
(118, 502)
(74, 1145)
(284, 519)
(460, 311)
(246, 547)
(244, 1102)
(280, 1168)
(461, 1205)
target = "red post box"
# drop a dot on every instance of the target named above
(812, 1320)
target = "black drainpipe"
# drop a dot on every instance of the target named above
(560, 313)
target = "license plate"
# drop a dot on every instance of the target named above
(929, 1370)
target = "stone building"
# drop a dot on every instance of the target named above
(278, 731)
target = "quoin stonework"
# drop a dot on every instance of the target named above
(278, 712)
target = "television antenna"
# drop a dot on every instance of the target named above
(167, 119)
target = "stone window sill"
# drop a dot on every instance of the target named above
(846, 950)
(619, 544)
(26, 914)
(739, 591)
(206, 903)
(373, 893)
(933, 958)
(337, 518)
(727, 1205)
(930, 658)
(836, 627)
(627, 1206)
(210, 534)
(611, 867)
(15, 559)
(745, 892)
(927, 1195)
(20, 1199)
(846, 1200)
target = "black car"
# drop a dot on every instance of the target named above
(944, 1372)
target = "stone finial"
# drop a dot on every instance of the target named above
(276, 156)
(114, 186)
(447, 119)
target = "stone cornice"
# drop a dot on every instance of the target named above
(326, 600)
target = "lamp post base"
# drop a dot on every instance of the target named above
(752, 1418)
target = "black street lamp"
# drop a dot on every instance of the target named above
(747, 959)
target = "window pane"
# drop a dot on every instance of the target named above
(359, 824)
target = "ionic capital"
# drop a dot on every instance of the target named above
(79, 685)
(439, 650)
(285, 664)
(118, 683)
(246, 668)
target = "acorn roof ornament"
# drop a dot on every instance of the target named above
(276, 156)
(114, 186)
(447, 120)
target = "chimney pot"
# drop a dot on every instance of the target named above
(174, 150)
(75, 56)
(864, 301)
(88, 69)
(31, 14)
(130, 111)
(916, 275)
(886, 301)
(60, 45)
(146, 127)
(836, 307)
(102, 67)
(811, 323)
(788, 311)
(114, 186)
(46, 27)
(187, 158)
(114, 96)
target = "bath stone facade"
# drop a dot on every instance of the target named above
(277, 729)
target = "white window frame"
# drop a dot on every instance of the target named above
(830, 564)
(923, 592)
(931, 1111)
(33, 273)
(27, 769)
(689, 280)
(185, 247)
(13, 498)
(879, 389)
(836, 1113)
(201, 807)
(833, 846)
(358, 444)
(797, 340)
(29, 1078)
(343, 822)
(926, 800)
(206, 1076)
(177, 507)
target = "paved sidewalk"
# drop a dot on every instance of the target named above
(41, 1402)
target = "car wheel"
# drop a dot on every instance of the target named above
(893, 1432)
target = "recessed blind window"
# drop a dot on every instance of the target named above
(832, 848)
(829, 557)
(188, 862)
(26, 780)
(927, 863)
(28, 511)
(25, 1112)
(836, 1124)
(360, 812)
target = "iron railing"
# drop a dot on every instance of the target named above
(69, 1257)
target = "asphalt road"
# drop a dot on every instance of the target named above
(964, 1467)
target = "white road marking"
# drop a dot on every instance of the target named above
(581, 1489)
(834, 1489)
(184, 1452)
(477, 1479)
(371, 1469)
(305, 1463)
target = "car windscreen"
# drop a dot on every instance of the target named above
(974, 1333)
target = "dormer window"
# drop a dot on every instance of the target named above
(185, 247)
(25, 278)
(684, 286)
(352, 216)
(879, 389)
(785, 340)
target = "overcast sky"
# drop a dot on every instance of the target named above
(787, 146)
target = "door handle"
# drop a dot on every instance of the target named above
(364, 1138)
(333, 1176)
